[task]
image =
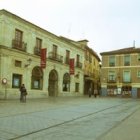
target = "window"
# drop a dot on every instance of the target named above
(138, 73)
(18, 35)
(17, 63)
(127, 60)
(111, 61)
(139, 57)
(17, 42)
(38, 46)
(67, 56)
(16, 80)
(38, 43)
(78, 58)
(76, 87)
(111, 90)
(126, 76)
(78, 63)
(55, 51)
(66, 82)
(126, 90)
(37, 78)
(111, 76)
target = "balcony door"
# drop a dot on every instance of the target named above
(18, 38)
(54, 51)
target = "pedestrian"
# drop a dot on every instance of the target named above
(89, 92)
(95, 93)
(23, 93)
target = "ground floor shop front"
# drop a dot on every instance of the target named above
(128, 91)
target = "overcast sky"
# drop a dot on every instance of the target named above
(106, 24)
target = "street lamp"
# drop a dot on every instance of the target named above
(28, 62)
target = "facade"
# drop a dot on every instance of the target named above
(21, 45)
(120, 73)
(91, 66)
(91, 71)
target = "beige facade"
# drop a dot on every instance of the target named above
(91, 71)
(120, 72)
(20, 46)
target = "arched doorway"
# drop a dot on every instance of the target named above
(37, 78)
(53, 83)
(66, 82)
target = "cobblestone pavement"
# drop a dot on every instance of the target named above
(65, 118)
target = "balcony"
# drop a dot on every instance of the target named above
(55, 57)
(78, 64)
(19, 45)
(37, 51)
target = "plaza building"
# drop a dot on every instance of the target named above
(120, 72)
(91, 70)
(91, 67)
(48, 65)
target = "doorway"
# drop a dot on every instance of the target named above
(53, 83)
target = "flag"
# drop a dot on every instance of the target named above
(71, 65)
(43, 58)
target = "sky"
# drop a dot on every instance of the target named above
(107, 24)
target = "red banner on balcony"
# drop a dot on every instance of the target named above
(71, 63)
(43, 58)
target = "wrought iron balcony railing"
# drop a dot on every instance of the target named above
(55, 57)
(20, 45)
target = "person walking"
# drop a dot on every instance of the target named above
(23, 93)
(89, 92)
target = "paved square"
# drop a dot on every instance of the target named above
(68, 118)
